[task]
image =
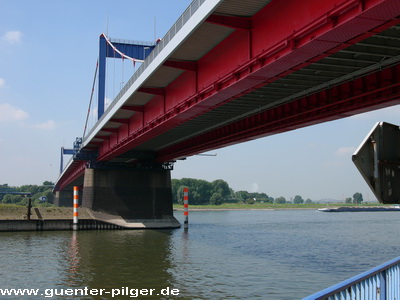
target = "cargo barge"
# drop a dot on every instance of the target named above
(356, 209)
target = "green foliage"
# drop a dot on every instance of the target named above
(5, 188)
(36, 191)
(175, 184)
(298, 199)
(244, 195)
(179, 194)
(221, 187)
(201, 191)
(250, 201)
(280, 200)
(12, 199)
(357, 198)
(216, 199)
(257, 205)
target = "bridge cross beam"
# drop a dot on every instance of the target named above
(137, 50)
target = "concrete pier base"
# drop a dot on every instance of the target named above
(163, 223)
(63, 198)
(133, 196)
(56, 218)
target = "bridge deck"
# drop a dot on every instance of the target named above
(229, 71)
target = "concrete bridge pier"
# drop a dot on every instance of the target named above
(64, 197)
(136, 195)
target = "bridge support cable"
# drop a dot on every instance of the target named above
(91, 98)
(134, 51)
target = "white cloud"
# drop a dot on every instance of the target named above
(12, 37)
(11, 113)
(50, 124)
(2, 82)
(345, 151)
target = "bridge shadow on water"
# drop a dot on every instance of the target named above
(136, 259)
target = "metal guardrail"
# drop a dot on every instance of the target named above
(381, 282)
(192, 8)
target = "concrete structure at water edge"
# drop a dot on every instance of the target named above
(61, 218)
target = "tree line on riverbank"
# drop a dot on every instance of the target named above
(41, 195)
(201, 192)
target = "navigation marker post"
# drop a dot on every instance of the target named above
(186, 207)
(76, 197)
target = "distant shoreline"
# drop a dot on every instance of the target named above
(271, 206)
(220, 209)
(16, 212)
(267, 209)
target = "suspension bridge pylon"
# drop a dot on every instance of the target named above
(121, 49)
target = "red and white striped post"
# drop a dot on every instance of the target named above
(186, 207)
(76, 204)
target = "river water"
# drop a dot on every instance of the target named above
(251, 254)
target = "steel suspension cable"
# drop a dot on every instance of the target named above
(91, 98)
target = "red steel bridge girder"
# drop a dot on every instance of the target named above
(325, 28)
(376, 90)
(72, 174)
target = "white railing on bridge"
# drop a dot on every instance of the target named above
(192, 8)
(382, 282)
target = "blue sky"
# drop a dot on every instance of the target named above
(48, 52)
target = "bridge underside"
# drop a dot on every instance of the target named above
(236, 79)
(249, 69)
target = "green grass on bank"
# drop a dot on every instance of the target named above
(273, 206)
(19, 212)
(11, 205)
(244, 206)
